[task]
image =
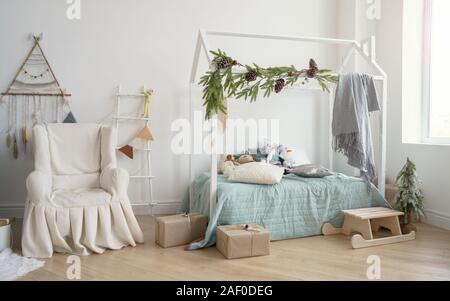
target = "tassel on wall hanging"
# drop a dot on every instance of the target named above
(15, 148)
(33, 96)
(9, 131)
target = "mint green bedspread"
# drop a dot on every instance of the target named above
(297, 207)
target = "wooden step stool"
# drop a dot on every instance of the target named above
(366, 221)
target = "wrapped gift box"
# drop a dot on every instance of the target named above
(177, 230)
(391, 193)
(237, 241)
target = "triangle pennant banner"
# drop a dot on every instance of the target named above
(138, 143)
(142, 139)
(127, 150)
(70, 118)
(145, 134)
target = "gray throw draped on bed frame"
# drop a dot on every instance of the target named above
(356, 96)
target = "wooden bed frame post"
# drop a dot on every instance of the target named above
(354, 48)
(213, 184)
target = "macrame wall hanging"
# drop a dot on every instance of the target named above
(34, 96)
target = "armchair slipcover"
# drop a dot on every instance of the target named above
(77, 199)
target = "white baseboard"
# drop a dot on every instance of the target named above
(432, 217)
(11, 210)
(438, 219)
(163, 207)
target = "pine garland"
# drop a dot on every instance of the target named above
(409, 197)
(221, 82)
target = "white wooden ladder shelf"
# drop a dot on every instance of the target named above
(367, 221)
(118, 118)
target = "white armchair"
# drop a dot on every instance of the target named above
(77, 199)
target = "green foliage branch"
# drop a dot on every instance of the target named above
(222, 82)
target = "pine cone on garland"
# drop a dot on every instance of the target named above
(313, 64)
(279, 85)
(313, 69)
(250, 76)
(222, 63)
(311, 73)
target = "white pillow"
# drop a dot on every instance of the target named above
(227, 168)
(257, 173)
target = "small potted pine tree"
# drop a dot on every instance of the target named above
(409, 198)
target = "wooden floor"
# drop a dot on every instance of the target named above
(312, 258)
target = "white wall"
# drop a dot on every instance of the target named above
(150, 43)
(432, 161)
(402, 64)
(353, 23)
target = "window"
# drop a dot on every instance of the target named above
(436, 128)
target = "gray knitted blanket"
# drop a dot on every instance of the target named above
(356, 96)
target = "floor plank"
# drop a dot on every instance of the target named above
(311, 258)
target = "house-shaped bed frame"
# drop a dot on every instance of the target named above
(354, 47)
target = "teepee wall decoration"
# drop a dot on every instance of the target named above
(33, 96)
(35, 77)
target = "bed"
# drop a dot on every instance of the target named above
(297, 207)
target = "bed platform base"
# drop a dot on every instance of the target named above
(367, 221)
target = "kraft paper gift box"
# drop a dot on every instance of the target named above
(177, 230)
(237, 241)
(391, 193)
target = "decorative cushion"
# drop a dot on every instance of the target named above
(80, 198)
(257, 173)
(74, 148)
(310, 171)
(227, 168)
(70, 182)
(245, 159)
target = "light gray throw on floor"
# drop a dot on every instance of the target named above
(356, 96)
